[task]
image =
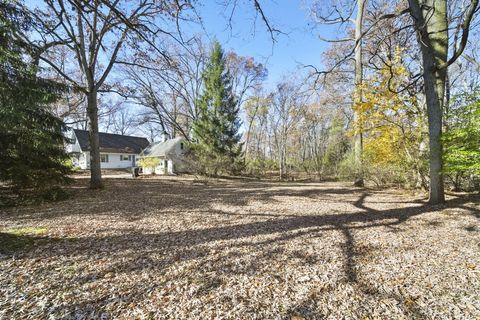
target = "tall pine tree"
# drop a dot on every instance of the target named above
(217, 148)
(31, 138)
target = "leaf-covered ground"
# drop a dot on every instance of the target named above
(175, 249)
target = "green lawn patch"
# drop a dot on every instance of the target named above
(20, 239)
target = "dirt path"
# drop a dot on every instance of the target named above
(171, 248)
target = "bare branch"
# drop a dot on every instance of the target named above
(471, 11)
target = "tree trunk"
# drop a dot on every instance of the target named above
(281, 163)
(249, 130)
(95, 169)
(434, 89)
(432, 31)
(358, 139)
(282, 158)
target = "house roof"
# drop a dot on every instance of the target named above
(161, 149)
(112, 142)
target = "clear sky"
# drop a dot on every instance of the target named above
(299, 45)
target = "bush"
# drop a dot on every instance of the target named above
(212, 164)
(259, 167)
(150, 163)
(347, 168)
(55, 194)
(462, 143)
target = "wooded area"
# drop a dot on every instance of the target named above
(293, 167)
(417, 128)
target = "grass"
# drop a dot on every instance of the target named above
(20, 239)
(27, 231)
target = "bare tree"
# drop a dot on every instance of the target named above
(340, 14)
(288, 103)
(95, 34)
(120, 120)
(255, 109)
(168, 89)
(247, 74)
(358, 146)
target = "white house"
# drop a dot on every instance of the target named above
(171, 154)
(116, 151)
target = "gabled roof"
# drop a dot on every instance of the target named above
(161, 149)
(110, 142)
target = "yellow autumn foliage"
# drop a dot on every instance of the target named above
(387, 115)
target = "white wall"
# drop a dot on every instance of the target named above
(73, 147)
(178, 147)
(84, 160)
(175, 162)
(114, 161)
(169, 168)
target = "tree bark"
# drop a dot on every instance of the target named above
(358, 139)
(434, 92)
(95, 169)
(249, 130)
(431, 22)
(281, 161)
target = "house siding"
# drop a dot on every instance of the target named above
(114, 146)
(73, 147)
(160, 169)
(114, 161)
(84, 160)
(172, 157)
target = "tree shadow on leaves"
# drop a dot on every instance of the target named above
(136, 246)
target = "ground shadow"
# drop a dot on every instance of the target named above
(177, 246)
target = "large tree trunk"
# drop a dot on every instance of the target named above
(432, 26)
(358, 139)
(95, 170)
(434, 89)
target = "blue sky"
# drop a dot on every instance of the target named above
(248, 37)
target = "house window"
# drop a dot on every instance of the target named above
(124, 157)
(104, 158)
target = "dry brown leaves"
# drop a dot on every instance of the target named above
(154, 249)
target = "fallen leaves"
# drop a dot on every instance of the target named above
(161, 249)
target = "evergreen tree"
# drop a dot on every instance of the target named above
(217, 146)
(31, 138)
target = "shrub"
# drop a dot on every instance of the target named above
(150, 163)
